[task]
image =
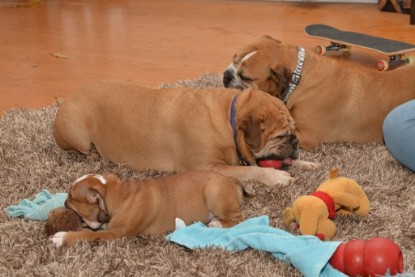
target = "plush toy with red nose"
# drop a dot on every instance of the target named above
(314, 213)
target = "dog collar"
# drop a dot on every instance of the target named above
(326, 198)
(232, 120)
(296, 76)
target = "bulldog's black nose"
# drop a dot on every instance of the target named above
(227, 77)
(294, 141)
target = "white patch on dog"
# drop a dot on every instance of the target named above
(100, 178)
(96, 176)
(179, 224)
(81, 178)
(215, 223)
(92, 224)
(248, 56)
(57, 239)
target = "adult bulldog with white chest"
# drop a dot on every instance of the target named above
(181, 129)
(329, 101)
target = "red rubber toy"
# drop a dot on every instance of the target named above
(373, 257)
(270, 163)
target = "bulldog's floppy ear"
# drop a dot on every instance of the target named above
(271, 38)
(95, 195)
(251, 128)
(281, 76)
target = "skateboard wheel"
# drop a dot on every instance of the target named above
(410, 59)
(383, 65)
(347, 49)
(321, 50)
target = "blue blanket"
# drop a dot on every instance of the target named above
(39, 208)
(308, 254)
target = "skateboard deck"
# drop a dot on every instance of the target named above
(344, 40)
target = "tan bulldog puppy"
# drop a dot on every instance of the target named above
(151, 206)
(329, 101)
(181, 129)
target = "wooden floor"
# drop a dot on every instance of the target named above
(48, 51)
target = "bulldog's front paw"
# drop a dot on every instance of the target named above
(273, 177)
(215, 223)
(58, 238)
(305, 165)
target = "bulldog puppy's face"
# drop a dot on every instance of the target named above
(86, 198)
(255, 66)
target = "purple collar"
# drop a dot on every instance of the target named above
(232, 120)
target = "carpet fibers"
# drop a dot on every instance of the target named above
(30, 161)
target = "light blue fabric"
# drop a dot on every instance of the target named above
(308, 254)
(399, 134)
(39, 208)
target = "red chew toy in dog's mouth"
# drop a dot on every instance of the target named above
(277, 164)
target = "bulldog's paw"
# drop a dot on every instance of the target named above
(274, 177)
(215, 223)
(305, 165)
(57, 239)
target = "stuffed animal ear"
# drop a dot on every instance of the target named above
(334, 173)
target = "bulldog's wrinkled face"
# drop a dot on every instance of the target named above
(280, 145)
(255, 66)
(268, 128)
(85, 199)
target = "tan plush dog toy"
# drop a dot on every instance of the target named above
(314, 213)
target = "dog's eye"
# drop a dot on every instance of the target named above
(281, 137)
(245, 79)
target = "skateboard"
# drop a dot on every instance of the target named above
(343, 40)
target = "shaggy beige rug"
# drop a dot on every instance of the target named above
(30, 162)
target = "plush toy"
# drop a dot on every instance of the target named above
(62, 219)
(337, 195)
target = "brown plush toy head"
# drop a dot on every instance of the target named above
(62, 219)
(337, 195)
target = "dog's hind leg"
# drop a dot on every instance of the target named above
(225, 205)
(70, 132)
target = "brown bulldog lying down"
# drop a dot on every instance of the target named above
(330, 102)
(151, 206)
(181, 129)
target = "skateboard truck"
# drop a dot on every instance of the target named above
(395, 61)
(321, 49)
(383, 65)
